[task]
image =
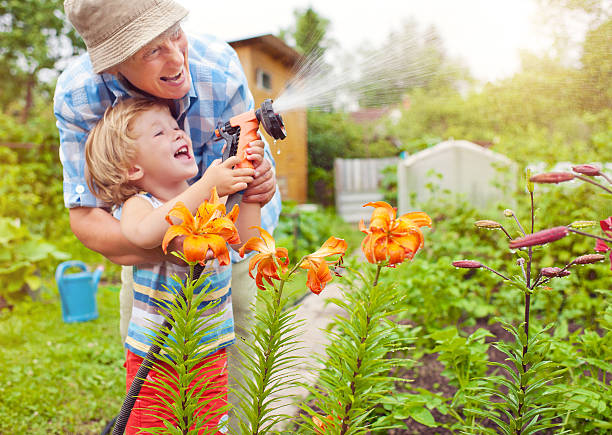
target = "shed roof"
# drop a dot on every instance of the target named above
(273, 45)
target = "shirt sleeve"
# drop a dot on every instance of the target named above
(78, 104)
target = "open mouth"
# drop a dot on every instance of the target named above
(182, 153)
(173, 78)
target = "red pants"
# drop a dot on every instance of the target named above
(145, 412)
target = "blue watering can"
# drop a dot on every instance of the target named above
(78, 291)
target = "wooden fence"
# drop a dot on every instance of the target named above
(357, 182)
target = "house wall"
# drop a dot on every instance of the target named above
(291, 154)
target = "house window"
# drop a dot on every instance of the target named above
(264, 81)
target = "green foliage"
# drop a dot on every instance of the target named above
(179, 403)
(267, 362)
(303, 231)
(308, 33)
(334, 135)
(35, 36)
(518, 400)
(31, 199)
(21, 264)
(356, 377)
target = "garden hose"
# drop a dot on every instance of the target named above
(143, 371)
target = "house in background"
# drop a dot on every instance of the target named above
(269, 64)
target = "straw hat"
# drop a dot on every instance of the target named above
(113, 30)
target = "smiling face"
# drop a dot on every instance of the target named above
(164, 159)
(160, 68)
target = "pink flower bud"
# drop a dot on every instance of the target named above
(552, 177)
(552, 272)
(487, 224)
(540, 238)
(467, 264)
(589, 259)
(590, 170)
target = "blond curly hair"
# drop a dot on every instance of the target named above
(110, 150)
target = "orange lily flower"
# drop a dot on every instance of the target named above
(320, 425)
(390, 238)
(318, 268)
(267, 268)
(210, 229)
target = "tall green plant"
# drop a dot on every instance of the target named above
(179, 403)
(519, 401)
(270, 356)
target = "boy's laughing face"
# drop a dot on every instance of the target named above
(161, 68)
(164, 152)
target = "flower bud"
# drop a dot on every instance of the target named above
(485, 223)
(508, 213)
(590, 170)
(540, 238)
(552, 177)
(589, 259)
(467, 264)
(552, 272)
(530, 186)
(582, 224)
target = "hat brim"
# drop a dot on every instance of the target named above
(138, 33)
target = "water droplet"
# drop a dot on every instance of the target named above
(278, 152)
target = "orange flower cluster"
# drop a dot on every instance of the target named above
(269, 259)
(272, 260)
(392, 239)
(317, 265)
(210, 229)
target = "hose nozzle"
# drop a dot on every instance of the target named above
(271, 121)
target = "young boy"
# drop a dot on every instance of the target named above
(139, 160)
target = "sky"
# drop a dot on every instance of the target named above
(486, 34)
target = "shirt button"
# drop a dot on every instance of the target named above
(80, 189)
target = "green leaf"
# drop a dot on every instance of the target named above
(422, 415)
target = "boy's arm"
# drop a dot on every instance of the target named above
(249, 216)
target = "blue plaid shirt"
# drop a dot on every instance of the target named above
(219, 91)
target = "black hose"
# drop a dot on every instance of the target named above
(143, 371)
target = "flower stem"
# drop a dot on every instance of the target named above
(605, 177)
(496, 272)
(378, 269)
(595, 183)
(501, 227)
(519, 224)
(605, 239)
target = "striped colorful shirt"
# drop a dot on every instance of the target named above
(219, 91)
(155, 287)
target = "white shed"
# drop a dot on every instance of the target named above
(459, 166)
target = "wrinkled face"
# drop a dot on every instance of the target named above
(164, 152)
(160, 68)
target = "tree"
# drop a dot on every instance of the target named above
(35, 37)
(309, 33)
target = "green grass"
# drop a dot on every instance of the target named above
(60, 378)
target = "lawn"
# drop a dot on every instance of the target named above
(58, 377)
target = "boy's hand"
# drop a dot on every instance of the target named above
(226, 179)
